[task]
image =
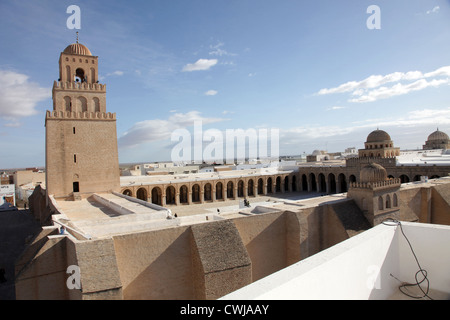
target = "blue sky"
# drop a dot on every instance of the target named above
(312, 69)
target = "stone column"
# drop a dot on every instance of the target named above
(177, 197)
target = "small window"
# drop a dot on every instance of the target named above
(74, 131)
(75, 158)
(76, 187)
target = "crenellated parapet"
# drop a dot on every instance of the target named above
(68, 115)
(64, 85)
(377, 185)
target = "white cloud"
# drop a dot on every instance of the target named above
(399, 89)
(424, 117)
(372, 88)
(201, 64)
(338, 137)
(116, 73)
(18, 96)
(218, 50)
(13, 124)
(434, 10)
(372, 82)
(158, 130)
(336, 108)
(444, 71)
(211, 93)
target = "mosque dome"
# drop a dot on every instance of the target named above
(438, 136)
(373, 173)
(79, 49)
(378, 136)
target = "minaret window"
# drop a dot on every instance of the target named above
(96, 105)
(68, 104)
(69, 76)
(82, 104)
(79, 76)
(92, 75)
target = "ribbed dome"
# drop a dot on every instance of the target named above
(372, 173)
(79, 49)
(378, 136)
(438, 136)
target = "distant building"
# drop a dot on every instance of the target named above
(379, 144)
(318, 155)
(25, 177)
(6, 178)
(437, 140)
(7, 197)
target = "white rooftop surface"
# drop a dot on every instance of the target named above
(368, 266)
(166, 178)
(107, 214)
(424, 157)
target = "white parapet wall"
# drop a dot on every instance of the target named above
(367, 266)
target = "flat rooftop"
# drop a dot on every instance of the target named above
(107, 214)
(437, 157)
(102, 215)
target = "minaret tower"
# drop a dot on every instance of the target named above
(81, 137)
